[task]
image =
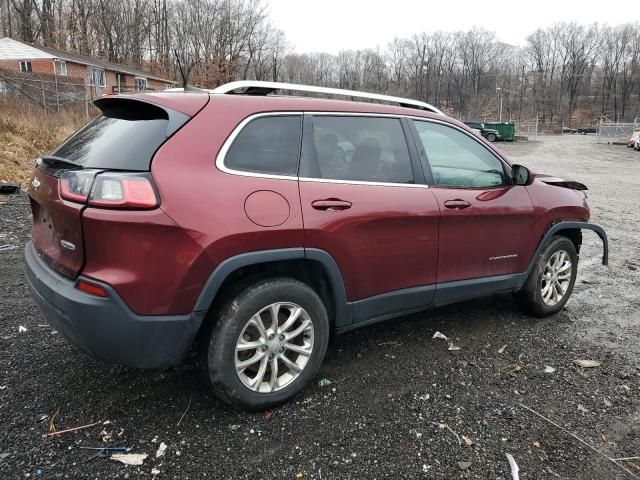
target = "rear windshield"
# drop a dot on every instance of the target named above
(124, 137)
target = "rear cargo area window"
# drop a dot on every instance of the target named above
(268, 145)
(124, 137)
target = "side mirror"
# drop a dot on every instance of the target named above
(520, 175)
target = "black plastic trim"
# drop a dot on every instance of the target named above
(451, 292)
(225, 268)
(558, 227)
(393, 302)
(106, 328)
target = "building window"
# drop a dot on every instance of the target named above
(96, 77)
(25, 66)
(140, 83)
(61, 67)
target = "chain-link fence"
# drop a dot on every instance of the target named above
(616, 131)
(49, 92)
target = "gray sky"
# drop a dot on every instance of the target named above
(333, 25)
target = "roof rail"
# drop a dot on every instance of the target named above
(254, 87)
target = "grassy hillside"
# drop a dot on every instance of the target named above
(27, 132)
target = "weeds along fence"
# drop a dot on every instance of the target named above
(50, 93)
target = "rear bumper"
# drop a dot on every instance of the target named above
(106, 328)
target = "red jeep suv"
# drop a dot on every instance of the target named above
(251, 226)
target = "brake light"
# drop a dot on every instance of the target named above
(109, 189)
(91, 289)
(75, 185)
(123, 190)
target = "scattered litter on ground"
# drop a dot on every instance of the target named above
(548, 369)
(395, 344)
(155, 471)
(502, 349)
(607, 403)
(185, 412)
(468, 442)
(2, 387)
(52, 421)
(464, 465)
(536, 444)
(440, 336)
(514, 467)
(106, 449)
(623, 459)
(4, 455)
(582, 408)
(453, 348)
(299, 475)
(324, 382)
(21, 329)
(268, 415)
(162, 449)
(587, 363)
(589, 446)
(442, 426)
(424, 397)
(513, 368)
(4, 248)
(39, 472)
(234, 427)
(68, 430)
(130, 458)
(9, 188)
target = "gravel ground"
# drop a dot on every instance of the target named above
(400, 405)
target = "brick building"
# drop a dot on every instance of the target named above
(99, 76)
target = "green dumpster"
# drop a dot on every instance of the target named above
(506, 130)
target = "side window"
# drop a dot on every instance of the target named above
(267, 145)
(357, 148)
(458, 160)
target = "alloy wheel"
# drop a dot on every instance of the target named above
(274, 347)
(556, 278)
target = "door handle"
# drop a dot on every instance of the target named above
(331, 204)
(457, 204)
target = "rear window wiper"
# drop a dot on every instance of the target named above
(53, 161)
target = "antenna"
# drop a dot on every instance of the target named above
(184, 78)
(185, 86)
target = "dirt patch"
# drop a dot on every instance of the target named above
(399, 404)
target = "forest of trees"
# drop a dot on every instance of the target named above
(568, 73)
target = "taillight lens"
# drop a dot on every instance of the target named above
(75, 185)
(123, 190)
(109, 189)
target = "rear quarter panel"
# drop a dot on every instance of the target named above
(208, 204)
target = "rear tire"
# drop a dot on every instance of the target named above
(255, 363)
(551, 280)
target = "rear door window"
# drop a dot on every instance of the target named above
(269, 145)
(358, 148)
(124, 137)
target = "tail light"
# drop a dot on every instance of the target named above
(109, 189)
(75, 185)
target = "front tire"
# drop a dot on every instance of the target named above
(491, 137)
(267, 344)
(551, 280)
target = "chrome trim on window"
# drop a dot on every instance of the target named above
(227, 144)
